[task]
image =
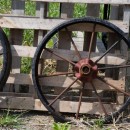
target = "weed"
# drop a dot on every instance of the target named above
(99, 123)
(25, 65)
(61, 126)
(28, 36)
(9, 120)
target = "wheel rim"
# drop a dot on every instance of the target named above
(5, 59)
(85, 69)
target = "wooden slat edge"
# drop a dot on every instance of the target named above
(89, 1)
(16, 94)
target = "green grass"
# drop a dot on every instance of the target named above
(10, 120)
(26, 65)
(101, 11)
(61, 126)
(54, 10)
(28, 37)
(79, 10)
(30, 8)
(5, 6)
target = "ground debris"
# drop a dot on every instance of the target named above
(44, 121)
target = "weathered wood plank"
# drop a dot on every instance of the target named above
(30, 103)
(16, 94)
(16, 37)
(41, 13)
(89, 108)
(124, 49)
(66, 11)
(24, 79)
(66, 81)
(89, 1)
(26, 51)
(62, 81)
(48, 24)
(12, 102)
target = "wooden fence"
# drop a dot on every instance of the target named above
(13, 96)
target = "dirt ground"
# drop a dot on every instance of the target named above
(43, 121)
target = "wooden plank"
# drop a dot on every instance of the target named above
(16, 37)
(89, 108)
(62, 81)
(41, 13)
(18, 7)
(116, 13)
(66, 12)
(12, 102)
(85, 98)
(124, 49)
(16, 94)
(66, 81)
(89, 1)
(69, 106)
(26, 51)
(92, 10)
(24, 79)
(48, 24)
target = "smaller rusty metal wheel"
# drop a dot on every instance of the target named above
(75, 68)
(5, 59)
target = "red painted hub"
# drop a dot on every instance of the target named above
(86, 70)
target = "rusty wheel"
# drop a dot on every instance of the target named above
(83, 72)
(5, 59)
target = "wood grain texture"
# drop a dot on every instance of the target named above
(29, 103)
(26, 51)
(89, 1)
(48, 24)
(62, 81)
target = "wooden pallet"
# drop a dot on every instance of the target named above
(17, 22)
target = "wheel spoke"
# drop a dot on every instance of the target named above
(108, 50)
(114, 67)
(55, 74)
(62, 92)
(91, 41)
(106, 82)
(76, 50)
(99, 99)
(59, 56)
(80, 99)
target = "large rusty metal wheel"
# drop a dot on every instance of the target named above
(83, 67)
(5, 59)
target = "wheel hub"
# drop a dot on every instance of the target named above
(86, 70)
